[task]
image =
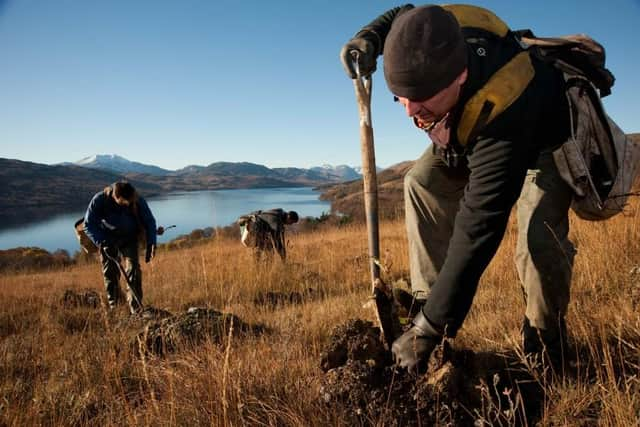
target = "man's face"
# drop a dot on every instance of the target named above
(121, 201)
(433, 109)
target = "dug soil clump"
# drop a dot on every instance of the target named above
(170, 333)
(86, 298)
(361, 381)
(275, 299)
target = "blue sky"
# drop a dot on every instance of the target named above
(174, 83)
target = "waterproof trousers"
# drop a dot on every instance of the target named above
(128, 254)
(544, 254)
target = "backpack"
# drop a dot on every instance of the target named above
(598, 161)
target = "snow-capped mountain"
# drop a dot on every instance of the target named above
(115, 163)
(342, 172)
(120, 165)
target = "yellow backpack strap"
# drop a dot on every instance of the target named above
(478, 17)
(503, 88)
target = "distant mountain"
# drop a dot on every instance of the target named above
(32, 190)
(188, 169)
(358, 170)
(228, 175)
(348, 198)
(340, 172)
(314, 176)
(118, 164)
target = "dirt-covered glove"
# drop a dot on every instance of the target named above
(150, 252)
(413, 348)
(363, 49)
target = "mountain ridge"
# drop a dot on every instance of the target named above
(119, 164)
(34, 191)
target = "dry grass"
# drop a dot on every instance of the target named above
(72, 367)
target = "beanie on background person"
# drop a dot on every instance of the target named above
(423, 53)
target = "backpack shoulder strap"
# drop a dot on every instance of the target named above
(503, 88)
(478, 17)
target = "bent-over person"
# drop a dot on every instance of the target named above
(264, 231)
(494, 115)
(116, 221)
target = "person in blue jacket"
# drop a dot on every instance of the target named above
(116, 220)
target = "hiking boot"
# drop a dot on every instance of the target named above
(410, 304)
(547, 347)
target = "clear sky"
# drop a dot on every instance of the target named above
(174, 83)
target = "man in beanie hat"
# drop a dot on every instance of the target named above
(116, 220)
(494, 113)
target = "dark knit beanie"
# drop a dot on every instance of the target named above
(423, 53)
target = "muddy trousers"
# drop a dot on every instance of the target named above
(128, 254)
(544, 255)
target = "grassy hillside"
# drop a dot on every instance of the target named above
(74, 366)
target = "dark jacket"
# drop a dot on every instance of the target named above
(274, 217)
(108, 223)
(496, 159)
(268, 228)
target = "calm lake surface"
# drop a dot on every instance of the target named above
(187, 210)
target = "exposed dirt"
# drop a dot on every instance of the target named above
(85, 298)
(171, 332)
(459, 387)
(274, 299)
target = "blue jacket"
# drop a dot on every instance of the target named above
(106, 222)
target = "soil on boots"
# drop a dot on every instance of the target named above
(361, 381)
(196, 325)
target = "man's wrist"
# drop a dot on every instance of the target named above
(424, 326)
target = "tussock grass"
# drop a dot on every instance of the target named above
(73, 366)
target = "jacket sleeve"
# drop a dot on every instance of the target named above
(376, 31)
(93, 219)
(497, 171)
(148, 221)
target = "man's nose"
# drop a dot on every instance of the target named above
(412, 108)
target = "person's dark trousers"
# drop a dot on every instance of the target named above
(128, 254)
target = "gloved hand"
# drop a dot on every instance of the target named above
(366, 53)
(160, 231)
(150, 252)
(413, 348)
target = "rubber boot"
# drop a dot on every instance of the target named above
(547, 346)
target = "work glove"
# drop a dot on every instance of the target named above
(160, 231)
(364, 47)
(150, 252)
(413, 348)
